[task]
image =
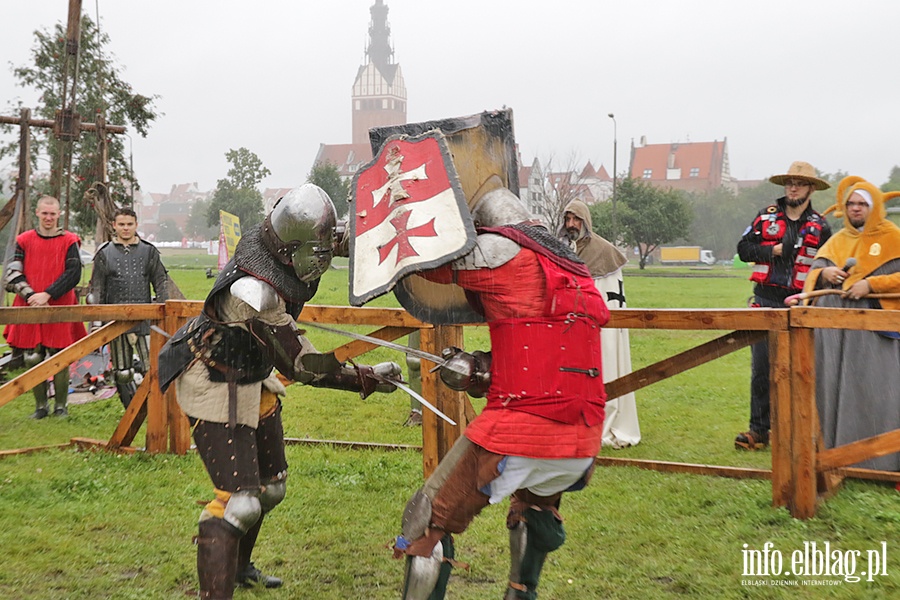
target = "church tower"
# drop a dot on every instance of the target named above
(379, 93)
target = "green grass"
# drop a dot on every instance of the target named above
(85, 525)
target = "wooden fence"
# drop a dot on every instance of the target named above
(802, 470)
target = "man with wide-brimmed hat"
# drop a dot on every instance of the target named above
(782, 241)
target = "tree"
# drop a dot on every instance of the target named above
(650, 216)
(238, 194)
(196, 226)
(558, 188)
(169, 232)
(893, 182)
(99, 90)
(326, 176)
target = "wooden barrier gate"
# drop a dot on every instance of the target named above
(802, 471)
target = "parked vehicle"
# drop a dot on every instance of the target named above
(686, 255)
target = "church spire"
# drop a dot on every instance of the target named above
(380, 52)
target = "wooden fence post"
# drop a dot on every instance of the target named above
(803, 423)
(780, 409)
(157, 415)
(438, 436)
(179, 429)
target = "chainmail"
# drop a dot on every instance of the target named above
(551, 243)
(252, 256)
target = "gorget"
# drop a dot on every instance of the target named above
(539, 240)
(252, 257)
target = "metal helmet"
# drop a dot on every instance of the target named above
(300, 231)
(500, 207)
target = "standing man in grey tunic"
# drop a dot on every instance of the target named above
(124, 270)
(858, 372)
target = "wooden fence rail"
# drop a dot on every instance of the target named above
(802, 471)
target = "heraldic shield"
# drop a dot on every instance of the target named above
(408, 214)
(483, 151)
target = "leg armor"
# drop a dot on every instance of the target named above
(60, 385)
(122, 358)
(273, 472)
(230, 458)
(534, 532)
(446, 504)
(217, 545)
(31, 358)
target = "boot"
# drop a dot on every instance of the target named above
(40, 400)
(247, 573)
(126, 392)
(217, 553)
(61, 393)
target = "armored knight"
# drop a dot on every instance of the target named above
(542, 426)
(221, 363)
(124, 270)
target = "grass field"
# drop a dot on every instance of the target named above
(85, 525)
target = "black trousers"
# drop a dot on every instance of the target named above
(759, 377)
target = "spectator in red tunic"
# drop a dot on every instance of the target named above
(44, 271)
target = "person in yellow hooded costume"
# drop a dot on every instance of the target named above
(858, 372)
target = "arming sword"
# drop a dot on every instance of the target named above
(330, 361)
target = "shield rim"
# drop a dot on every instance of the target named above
(462, 205)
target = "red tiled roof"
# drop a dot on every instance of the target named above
(704, 156)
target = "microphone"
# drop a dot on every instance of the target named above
(851, 262)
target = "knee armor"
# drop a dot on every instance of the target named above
(272, 494)
(33, 357)
(243, 510)
(124, 376)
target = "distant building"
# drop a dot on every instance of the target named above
(691, 166)
(379, 93)
(272, 195)
(544, 193)
(378, 98)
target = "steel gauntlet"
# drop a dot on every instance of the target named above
(364, 379)
(465, 372)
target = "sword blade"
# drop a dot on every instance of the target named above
(374, 340)
(418, 397)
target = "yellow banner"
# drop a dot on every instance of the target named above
(230, 227)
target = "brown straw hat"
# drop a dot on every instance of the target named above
(801, 170)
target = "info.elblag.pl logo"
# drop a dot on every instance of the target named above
(824, 564)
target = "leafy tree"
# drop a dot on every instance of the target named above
(649, 216)
(893, 182)
(169, 232)
(238, 194)
(326, 176)
(99, 90)
(196, 226)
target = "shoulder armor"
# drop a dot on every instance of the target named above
(255, 292)
(491, 251)
(772, 209)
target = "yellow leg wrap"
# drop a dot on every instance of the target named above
(216, 508)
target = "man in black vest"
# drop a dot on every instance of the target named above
(782, 241)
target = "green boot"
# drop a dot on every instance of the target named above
(40, 401)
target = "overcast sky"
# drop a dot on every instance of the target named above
(812, 80)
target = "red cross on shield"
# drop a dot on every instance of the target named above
(408, 214)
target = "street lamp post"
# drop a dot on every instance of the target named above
(615, 176)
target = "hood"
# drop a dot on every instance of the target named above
(601, 257)
(877, 243)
